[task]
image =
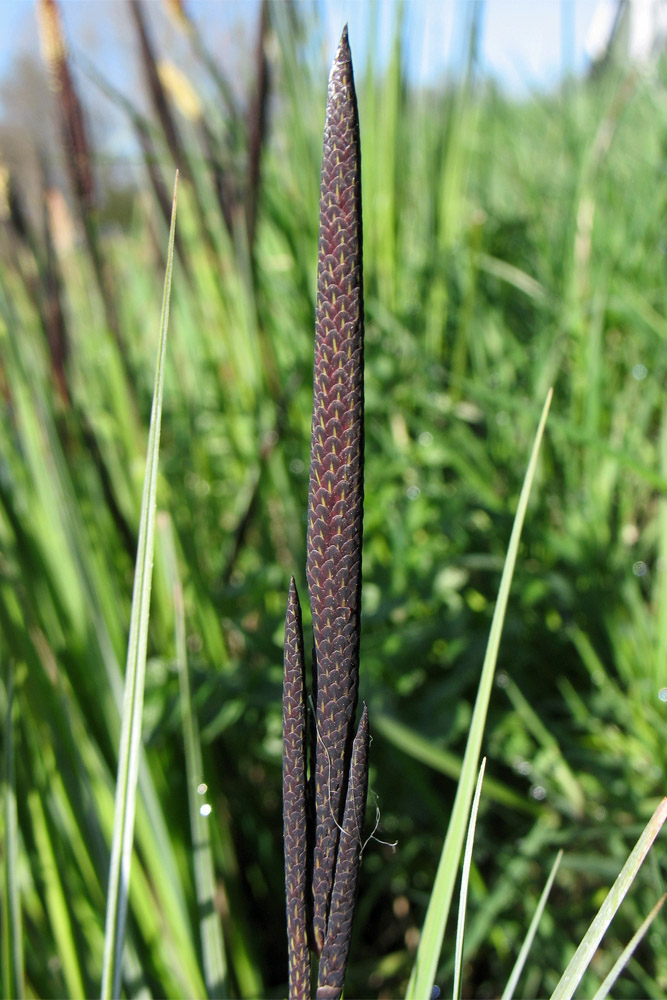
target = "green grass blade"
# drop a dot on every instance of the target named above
(508, 992)
(133, 699)
(213, 951)
(623, 958)
(415, 745)
(661, 565)
(430, 945)
(56, 900)
(12, 942)
(591, 939)
(465, 879)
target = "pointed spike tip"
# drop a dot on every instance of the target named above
(343, 53)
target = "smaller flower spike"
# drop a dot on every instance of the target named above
(295, 800)
(335, 500)
(343, 898)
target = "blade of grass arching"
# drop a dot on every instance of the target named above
(660, 587)
(130, 740)
(12, 942)
(55, 900)
(562, 773)
(430, 945)
(213, 951)
(465, 879)
(623, 958)
(419, 748)
(591, 939)
(508, 992)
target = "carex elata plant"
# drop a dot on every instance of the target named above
(325, 765)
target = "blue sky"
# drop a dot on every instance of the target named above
(525, 43)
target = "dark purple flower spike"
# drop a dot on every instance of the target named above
(339, 760)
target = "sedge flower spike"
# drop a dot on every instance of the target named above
(323, 818)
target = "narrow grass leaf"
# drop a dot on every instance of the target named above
(12, 942)
(210, 926)
(591, 939)
(430, 945)
(465, 879)
(508, 992)
(56, 903)
(623, 958)
(133, 699)
(420, 748)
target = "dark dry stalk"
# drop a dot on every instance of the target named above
(257, 123)
(78, 156)
(295, 826)
(163, 111)
(53, 313)
(43, 283)
(144, 135)
(75, 136)
(155, 88)
(343, 898)
(335, 503)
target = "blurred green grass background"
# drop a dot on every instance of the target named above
(509, 246)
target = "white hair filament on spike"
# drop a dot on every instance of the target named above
(385, 843)
(326, 750)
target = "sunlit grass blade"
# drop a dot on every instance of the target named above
(508, 992)
(445, 762)
(12, 940)
(55, 899)
(563, 775)
(210, 927)
(627, 952)
(660, 587)
(430, 945)
(133, 700)
(581, 959)
(465, 879)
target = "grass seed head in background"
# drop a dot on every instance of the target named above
(339, 761)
